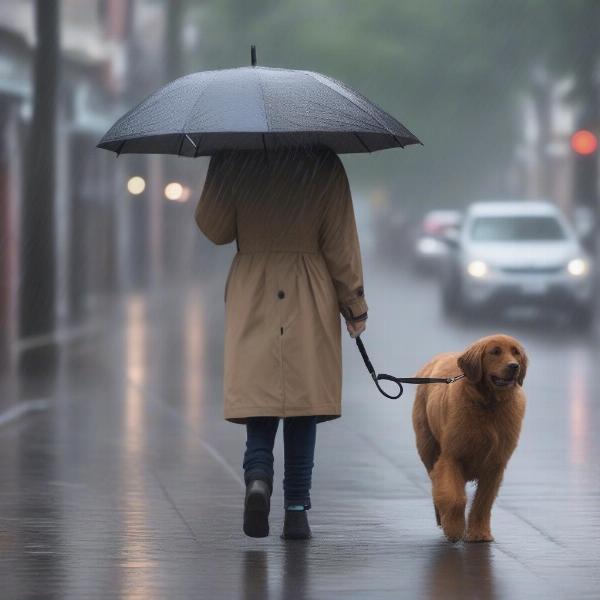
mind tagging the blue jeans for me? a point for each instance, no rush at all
(299, 437)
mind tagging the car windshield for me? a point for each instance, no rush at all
(515, 229)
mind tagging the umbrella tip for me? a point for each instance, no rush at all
(253, 55)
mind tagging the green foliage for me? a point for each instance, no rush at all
(450, 70)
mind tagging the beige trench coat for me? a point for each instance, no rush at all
(298, 266)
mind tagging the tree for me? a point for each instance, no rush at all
(448, 71)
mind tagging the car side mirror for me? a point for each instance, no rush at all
(451, 238)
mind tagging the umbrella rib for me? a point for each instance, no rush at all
(399, 142)
(194, 107)
(262, 94)
(364, 145)
(180, 145)
(120, 148)
(325, 82)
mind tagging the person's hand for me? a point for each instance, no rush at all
(355, 328)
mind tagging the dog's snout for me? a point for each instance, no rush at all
(513, 366)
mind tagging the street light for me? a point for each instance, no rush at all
(136, 185)
(174, 191)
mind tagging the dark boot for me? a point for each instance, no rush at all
(295, 525)
(256, 508)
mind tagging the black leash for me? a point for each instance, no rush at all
(398, 380)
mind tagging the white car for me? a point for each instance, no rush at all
(509, 253)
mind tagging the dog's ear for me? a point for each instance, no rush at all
(471, 362)
(524, 361)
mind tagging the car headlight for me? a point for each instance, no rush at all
(578, 267)
(477, 268)
(428, 246)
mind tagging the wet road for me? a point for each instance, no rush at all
(128, 484)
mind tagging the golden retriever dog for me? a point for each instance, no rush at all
(468, 430)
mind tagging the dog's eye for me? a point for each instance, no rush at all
(496, 351)
(516, 352)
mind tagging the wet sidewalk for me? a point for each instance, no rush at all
(127, 483)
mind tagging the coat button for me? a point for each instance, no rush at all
(281, 294)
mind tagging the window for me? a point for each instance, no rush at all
(515, 229)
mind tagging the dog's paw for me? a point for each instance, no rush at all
(478, 535)
(453, 537)
(454, 529)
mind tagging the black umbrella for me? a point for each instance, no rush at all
(254, 108)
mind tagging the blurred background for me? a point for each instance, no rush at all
(497, 101)
(505, 96)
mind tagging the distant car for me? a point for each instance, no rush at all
(510, 253)
(430, 248)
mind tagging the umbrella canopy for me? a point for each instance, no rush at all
(252, 108)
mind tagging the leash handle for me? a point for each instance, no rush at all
(393, 379)
(398, 380)
(363, 353)
(381, 376)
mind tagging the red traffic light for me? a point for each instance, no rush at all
(584, 142)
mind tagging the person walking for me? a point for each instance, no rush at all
(297, 267)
